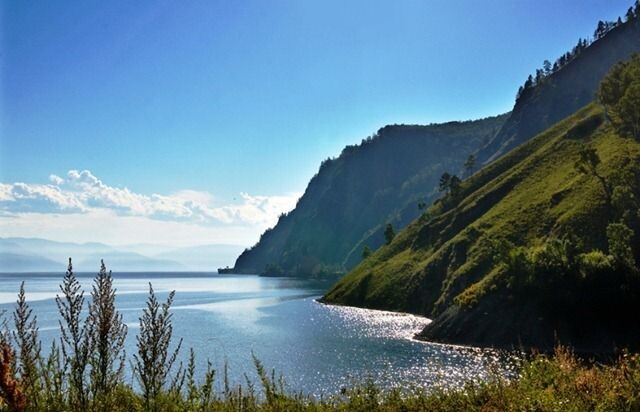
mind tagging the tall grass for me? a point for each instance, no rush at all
(83, 371)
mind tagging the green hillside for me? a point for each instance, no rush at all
(368, 184)
(347, 205)
(515, 257)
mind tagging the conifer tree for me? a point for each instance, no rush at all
(389, 233)
(470, 164)
(443, 185)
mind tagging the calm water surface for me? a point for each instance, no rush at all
(318, 349)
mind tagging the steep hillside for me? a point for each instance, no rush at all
(565, 91)
(467, 262)
(365, 186)
(348, 204)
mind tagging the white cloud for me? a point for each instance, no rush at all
(27, 209)
(106, 226)
(56, 180)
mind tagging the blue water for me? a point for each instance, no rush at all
(318, 349)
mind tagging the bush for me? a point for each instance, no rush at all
(595, 264)
(619, 237)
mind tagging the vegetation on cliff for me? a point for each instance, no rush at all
(540, 245)
(348, 204)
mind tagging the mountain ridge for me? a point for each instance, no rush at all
(559, 95)
(367, 184)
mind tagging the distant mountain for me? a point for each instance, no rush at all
(382, 180)
(14, 262)
(126, 261)
(33, 254)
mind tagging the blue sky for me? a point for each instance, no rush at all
(221, 98)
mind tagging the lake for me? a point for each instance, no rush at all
(318, 349)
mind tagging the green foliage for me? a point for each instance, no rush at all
(588, 161)
(347, 204)
(620, 237)
(620, 94)
(595, 264)
(546, 383)
(525, 231)
(450, 184)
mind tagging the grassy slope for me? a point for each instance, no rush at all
(527, 196)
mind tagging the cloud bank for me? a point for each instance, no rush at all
(28, 209)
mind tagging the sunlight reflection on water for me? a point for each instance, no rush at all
(425, 365)
(317, 348)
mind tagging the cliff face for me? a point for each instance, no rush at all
(379, 181)
(564, 92)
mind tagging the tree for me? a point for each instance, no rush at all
(74, 338)
(455, 186)
(546, 66)
(366, 252)
(470, 164)
(600, 30)
(107, 334)
(443, 186)
(587, 163)
(628, 111)
(619, 237)
(529, 82)
(619, 92)
(389, 233)
(630, 15)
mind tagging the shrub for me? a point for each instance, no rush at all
(619, 237)
(595, 264)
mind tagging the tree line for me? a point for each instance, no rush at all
(602, 29)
